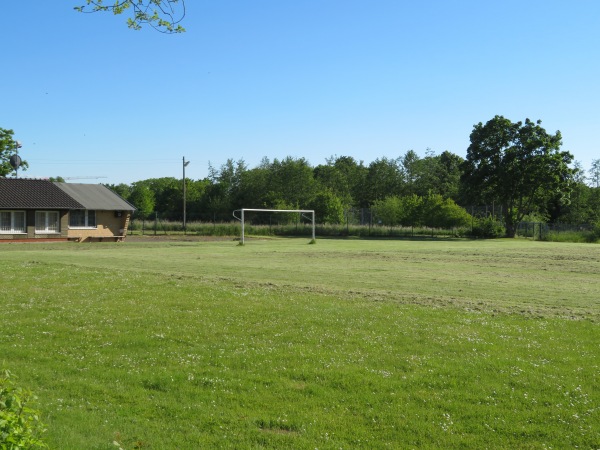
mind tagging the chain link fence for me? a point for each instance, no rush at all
(360, 222)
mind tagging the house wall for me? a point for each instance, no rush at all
(30, 226)
(107, 225)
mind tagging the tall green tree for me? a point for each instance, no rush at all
(515, 165)
(121, 189)
(195, 191)
(343, 176)
(168, 196)
(291, 183)
(8, 147)
(584, 207)
(143, 199)
(223, 194)
(594, 205)
(328, 207)
(411, 213)
(595, 173)
(388, 210)
(433, 174)
(384, 179)
(412, 171)
(355, 174)
(448, 175)
(253, 188)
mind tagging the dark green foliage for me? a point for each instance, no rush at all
(291, 181)
(433, 174)
(432, 211)
(253, 190)
(487, 227)
(595, 173)
(328, 207)
(121, 189)
(512, 168)
(388, 211)
(167, 194)
(517, 166)
(583, 207)
(344, 177)
(143, 199)
(383, 179)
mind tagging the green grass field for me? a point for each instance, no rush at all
(279, 344)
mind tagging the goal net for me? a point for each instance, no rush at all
(241, 217)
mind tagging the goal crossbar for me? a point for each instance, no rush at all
(301, 211)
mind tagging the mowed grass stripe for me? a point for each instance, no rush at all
(542, 278)
(199, 351)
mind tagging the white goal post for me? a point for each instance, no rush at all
(301, 211)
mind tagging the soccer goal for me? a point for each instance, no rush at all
(241, 217)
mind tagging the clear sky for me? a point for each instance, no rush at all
(88, 97)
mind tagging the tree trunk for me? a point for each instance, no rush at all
(509, 222)
(511, 230)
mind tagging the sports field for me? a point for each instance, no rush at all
(281, 344)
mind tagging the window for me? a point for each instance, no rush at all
(12, 222)
(46, 222)
(81, 218)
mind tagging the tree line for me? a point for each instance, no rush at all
(340, 184)
(518, 168)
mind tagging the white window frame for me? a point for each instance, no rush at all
(14, 230)
(87, 226)
(47, 226)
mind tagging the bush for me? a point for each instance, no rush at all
(596, 232)
(20, 426)
(487, 227)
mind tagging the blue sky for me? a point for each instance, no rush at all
(88, 97)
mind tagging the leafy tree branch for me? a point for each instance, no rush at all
(164, 16)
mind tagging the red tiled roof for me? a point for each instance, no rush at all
(24, 193)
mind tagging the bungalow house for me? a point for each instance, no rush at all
(43, 209)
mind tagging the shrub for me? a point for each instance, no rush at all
(487, 227)
(328, 208)
(20, 426)
(596, 232)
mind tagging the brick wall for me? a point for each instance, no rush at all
(107, 225)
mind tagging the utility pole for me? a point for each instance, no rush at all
(185, 163)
